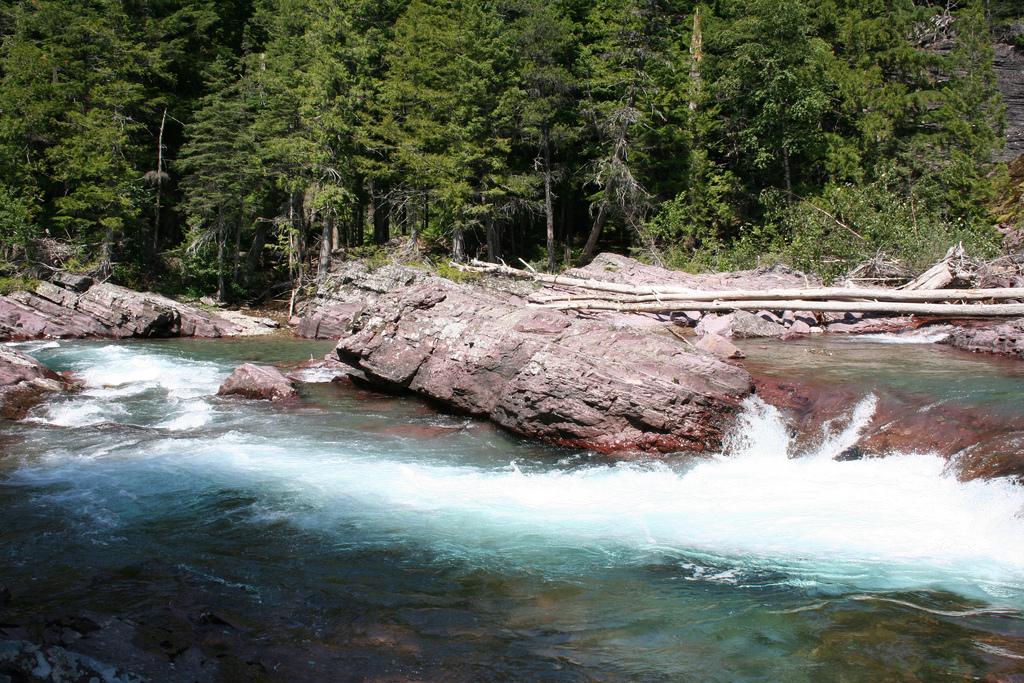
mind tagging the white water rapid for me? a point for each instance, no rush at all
(900, 522)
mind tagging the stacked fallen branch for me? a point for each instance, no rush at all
(948, 310)
(954, 267)
(596, 295)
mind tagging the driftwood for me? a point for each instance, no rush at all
(953, 266)
(944, 310)
(644, 294)
(819, 293)
(922, 296)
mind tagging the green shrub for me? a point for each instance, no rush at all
(9, 285)
(372, 255)
(450, 272)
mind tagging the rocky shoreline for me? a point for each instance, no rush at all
(614, 382)
(75, 306)
(610, 381)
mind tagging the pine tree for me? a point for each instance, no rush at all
(220, 173)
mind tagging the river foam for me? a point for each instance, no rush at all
(760, 507)
(134, 385)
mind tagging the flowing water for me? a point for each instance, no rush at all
(361, 537)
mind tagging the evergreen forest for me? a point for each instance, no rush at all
(239, 146)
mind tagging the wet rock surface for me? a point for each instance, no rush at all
(258, 382)
(24, 382)
(72, 306)
(977, 443)
(1003, 338)
(543, 373)
(22, 660)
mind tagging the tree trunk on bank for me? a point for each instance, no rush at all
(493, 241)
(549, 209)
(323, 266)
(618, 153)
(567, 234)
(221, 289)
(236, 256)
(159, 182)
(459, 244)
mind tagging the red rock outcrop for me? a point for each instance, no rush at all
(24, 382)
(544, 373)
(82, 309)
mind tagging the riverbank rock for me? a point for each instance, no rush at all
(544, 373)
(74, 307)
(24, 382)
(1003, 338)
(349, 287)
(259, 382)
(740, 324)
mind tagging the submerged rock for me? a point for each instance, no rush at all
(544, 373)
(1003, 338)
(978, 443)
(73, 307)
(24, 382)
(25, 661)
(259, 382)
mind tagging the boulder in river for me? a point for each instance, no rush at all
(544, 373)
(24, 382)
(260, 382)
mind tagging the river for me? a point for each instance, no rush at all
(364, 537)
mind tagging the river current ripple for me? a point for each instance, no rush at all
(367, 537)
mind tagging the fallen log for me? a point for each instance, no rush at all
(819, 293)
(637, 294)
(932, 309)
(949, 269)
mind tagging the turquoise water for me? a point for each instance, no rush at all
(360, 537)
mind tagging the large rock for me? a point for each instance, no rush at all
(259, 382)
(977, 442)
(741, 324)
(1006, 338)
(349, 287)
(58, 309)
(24, 382)
(543, 373)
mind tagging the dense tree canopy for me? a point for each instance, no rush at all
(235, 146)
